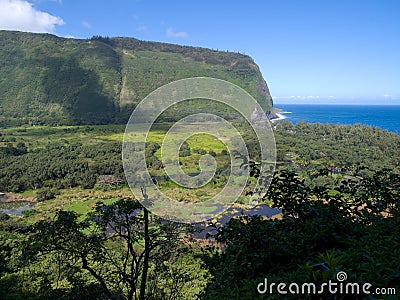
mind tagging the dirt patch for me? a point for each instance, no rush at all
(11, 197)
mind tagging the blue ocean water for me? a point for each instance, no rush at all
(385, 116)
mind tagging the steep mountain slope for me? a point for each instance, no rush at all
(45, 79)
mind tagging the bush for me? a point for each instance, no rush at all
(212, 153)
(44, 194)
(184, 150)
(199, 151)
(28, 213)
(4, 216)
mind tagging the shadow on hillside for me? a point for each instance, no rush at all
(78, 91)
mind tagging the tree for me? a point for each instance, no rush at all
(184, 150)
(121, 246)
(46, 193)
(354, 229)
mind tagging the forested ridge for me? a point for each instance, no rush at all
(45, 79)
(87, 238)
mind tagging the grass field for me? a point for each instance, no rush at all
(82, 200)
(78, 200)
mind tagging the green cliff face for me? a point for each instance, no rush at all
(46, 79)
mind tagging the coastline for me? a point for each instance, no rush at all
(343, 114)
(274, 114)
(279, 117)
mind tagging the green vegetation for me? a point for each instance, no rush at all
(340, 148)
(354, 231)
(340, 210)
(58, 159)
(50, 80)
(86, 238)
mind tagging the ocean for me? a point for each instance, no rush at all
(386, 117)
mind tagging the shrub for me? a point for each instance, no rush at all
(44, 194)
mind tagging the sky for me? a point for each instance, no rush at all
(324, 51)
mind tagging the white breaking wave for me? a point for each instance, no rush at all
(280, 115)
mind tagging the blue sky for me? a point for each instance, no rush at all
(308, 51)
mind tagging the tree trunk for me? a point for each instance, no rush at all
(146, 254)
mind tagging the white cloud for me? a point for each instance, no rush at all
(22, 16)
(57, 1)
(86, 24)
(40, 1)
(301, 97)
(142, 29)
(179, 34)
